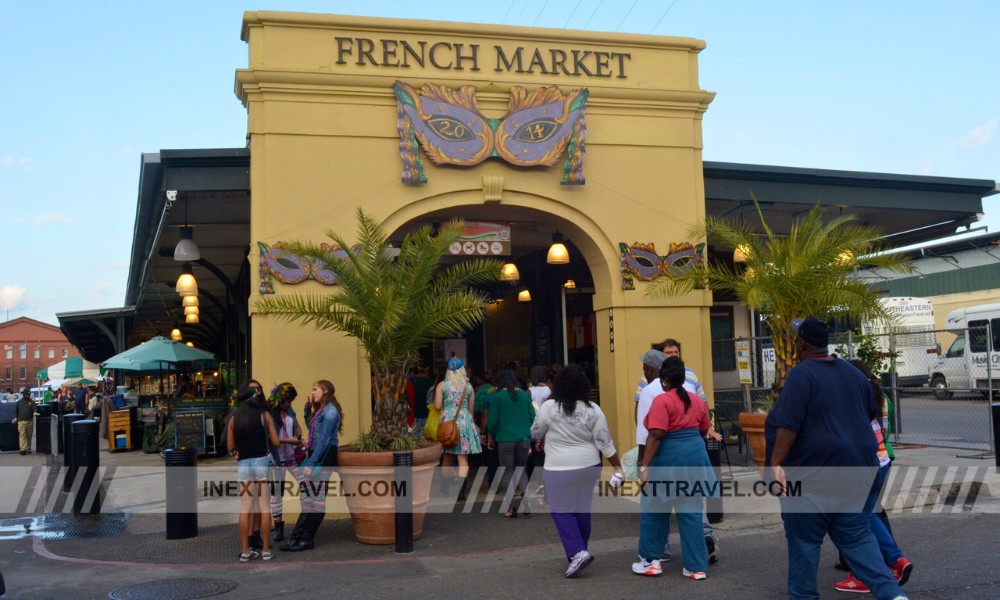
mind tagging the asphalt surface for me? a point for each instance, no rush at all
(476, 554)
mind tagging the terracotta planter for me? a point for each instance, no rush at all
(366, 477)
(752, 425)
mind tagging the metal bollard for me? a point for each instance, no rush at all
(69, 472)
(43, 430)
(86, 462)
(403, 467)
(713, 506)
(182, 489)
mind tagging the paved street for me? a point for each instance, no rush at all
(475, 555)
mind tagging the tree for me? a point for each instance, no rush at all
(393, 305)
(809, 272)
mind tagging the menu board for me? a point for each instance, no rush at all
(189, 430)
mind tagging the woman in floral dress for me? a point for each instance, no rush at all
(455, 398)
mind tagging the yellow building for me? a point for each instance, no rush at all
(323, 137)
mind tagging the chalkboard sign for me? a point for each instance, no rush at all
(189, 430)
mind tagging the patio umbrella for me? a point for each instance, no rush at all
(160, 353)
(73, 366)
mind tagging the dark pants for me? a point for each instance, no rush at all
(513, 457)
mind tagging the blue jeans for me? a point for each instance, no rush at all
(886, 544)
(852, 534)
(681, 455)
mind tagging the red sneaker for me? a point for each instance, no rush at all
(851, 584)
(901, 570)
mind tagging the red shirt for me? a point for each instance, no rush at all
(667, 413)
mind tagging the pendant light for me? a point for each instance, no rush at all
(190, 310)
(186, 284)
(741, 253)
(509, 272)
(187, 301)
(175, 333)
(524, 296)
(191, 319)
(186, 250)
(558, 254)
(570, 284)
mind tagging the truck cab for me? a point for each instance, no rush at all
(972, 361)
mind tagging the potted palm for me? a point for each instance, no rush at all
(394, 304)
(811, 271)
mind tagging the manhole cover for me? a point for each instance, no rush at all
(173, 589)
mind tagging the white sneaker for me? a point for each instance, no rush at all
(649, 568)
(579, 561)
(696, 575)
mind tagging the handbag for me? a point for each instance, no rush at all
(447, 432)
(433, 418)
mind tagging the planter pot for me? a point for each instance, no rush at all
(752, 425)
(367, 478)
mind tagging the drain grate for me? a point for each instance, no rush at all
(63, 526)
(174, 589)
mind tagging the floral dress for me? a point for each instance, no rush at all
(468, 433)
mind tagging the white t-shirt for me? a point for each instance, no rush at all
(650, 392)
(539, 394)
(572, 441)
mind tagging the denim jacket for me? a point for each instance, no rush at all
(327, 435)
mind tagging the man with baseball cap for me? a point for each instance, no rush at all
(823, 419)
(25, 421)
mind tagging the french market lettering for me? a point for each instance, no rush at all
(459, 57)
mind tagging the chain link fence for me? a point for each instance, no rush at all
(941, 383)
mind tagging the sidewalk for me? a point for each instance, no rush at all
(472, 554)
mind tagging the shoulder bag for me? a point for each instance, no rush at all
(447, 431)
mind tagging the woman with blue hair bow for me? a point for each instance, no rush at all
(455, 398)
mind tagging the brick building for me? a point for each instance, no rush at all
(29, 346)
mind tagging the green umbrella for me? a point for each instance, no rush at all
(160, 354)
(73, 366)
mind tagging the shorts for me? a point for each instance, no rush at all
(252, 468)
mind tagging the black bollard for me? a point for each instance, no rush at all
(86, 462)
(995, 413)
(43, 430)
(713, 505)
(182, 489)
(403, 467)
(67, 448)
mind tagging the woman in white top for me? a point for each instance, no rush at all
(576, 435)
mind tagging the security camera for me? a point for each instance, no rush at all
(171, 195)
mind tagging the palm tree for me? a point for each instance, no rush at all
(809, 272)
(393, 305)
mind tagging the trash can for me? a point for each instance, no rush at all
(43, 427)
(86, 461)
(182, 489)
(138, 431)
(69, 472)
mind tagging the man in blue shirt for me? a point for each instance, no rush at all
(823, 419)
(80, 399)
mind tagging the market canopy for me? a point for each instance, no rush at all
(73, 366)
(160, 354)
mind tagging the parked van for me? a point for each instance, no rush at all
(38, 394)
(972, 360)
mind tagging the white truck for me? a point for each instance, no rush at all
(972, 360)
(913, 333)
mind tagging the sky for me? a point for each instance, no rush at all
(893, 86)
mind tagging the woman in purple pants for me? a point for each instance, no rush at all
(576, 435)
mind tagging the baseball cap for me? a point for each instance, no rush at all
(653, 358)
(455, 363)
(812, 331)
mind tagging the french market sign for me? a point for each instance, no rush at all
(446, 56)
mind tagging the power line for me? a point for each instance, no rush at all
(572, 13)
(538, 16)
(509, 8)
(662, 16)
(593, 13)
(619, 28)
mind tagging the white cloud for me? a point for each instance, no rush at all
(23, 163)
(978, 136)
(925, 166)
(16, 221)
(101, 287)
(7, 162)
(48, 218)
(11, 296)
